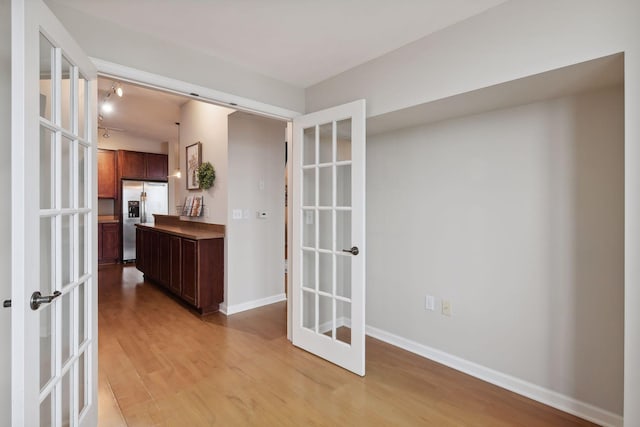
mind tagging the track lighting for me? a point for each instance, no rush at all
(107, 107)
(118, 90)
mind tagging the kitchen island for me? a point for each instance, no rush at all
(185, 258)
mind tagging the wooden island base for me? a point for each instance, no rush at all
(185, 258)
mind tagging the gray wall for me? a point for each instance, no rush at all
(5, 224)
(256, 154)
(517, 217)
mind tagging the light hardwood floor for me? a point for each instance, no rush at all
(161, 365)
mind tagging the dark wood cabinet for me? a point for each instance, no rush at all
(164, 255)
(175, 276)
(190, 268)
(157, 166)
(151, 256)
(140, 243)
(107, 168)
(132, 164)
(137, 165)
(108, 242)
(189, 271)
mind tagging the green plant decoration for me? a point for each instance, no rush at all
(206, 175)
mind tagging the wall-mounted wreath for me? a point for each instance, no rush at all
(206, 175)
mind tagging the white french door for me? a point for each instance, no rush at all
(328, 294)
(54, 300)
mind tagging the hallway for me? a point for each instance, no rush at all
(161, 365)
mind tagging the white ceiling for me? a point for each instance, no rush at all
(301, 42)
(141, 112)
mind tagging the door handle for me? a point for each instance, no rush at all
(353, 251)
(37, 299)
(6, 303)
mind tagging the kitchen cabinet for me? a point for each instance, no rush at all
(107, 167)
(189, 270)
(137, 165)
(175, 260)
(164, 254)
(108, 242)
(157, 166)
(189, 264)
(140, 243)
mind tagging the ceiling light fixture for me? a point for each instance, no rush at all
(107, 107)
(118, 90)
(106, 133)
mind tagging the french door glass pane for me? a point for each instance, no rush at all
(66, 398)
(66, 267)
(82, 318)
(343, 188)
(343, 131)
(343, 276)
(326, 229)
(343, 311)
(309, 228)
(83, 114)
(46, 256)
(82, 374)
(46, 167)
(325, 273)
(325, 309)
(67, 172)
(326, 187)
(46, 412)
(309, 310)
(309, 187)
(326, 143)
(309, 146)
(46, 92)
(309, 269)
(66, 90)
(47, 347)
(82, 244)
(83, 174)
(66, 328)
(343, 230)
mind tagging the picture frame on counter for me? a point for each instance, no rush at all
(194, 160)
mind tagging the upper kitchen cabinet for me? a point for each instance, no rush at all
(157, 166)
(107, 166)
(137, 165)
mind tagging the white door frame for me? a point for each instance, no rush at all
(156, 81)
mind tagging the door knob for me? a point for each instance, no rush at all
(37, 299)
(353, 251)
(6, 303)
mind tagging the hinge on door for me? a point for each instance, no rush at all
(6, 303)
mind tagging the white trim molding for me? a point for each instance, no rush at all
(228, 310)
(202, 93)
(516, 385)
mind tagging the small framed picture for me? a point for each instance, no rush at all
(194, 159)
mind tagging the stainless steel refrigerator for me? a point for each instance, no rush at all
(140, 200)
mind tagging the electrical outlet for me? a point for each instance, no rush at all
(430, 303)
(446, 308)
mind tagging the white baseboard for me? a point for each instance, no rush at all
(249, 305)
(530, 390)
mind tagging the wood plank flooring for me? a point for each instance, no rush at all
(162, 365)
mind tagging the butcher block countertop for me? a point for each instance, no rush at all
(187, 229)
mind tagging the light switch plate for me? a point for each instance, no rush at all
(430, 303)
(236, 214)
(446, 308)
